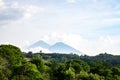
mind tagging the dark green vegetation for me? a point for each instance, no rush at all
(16, 65)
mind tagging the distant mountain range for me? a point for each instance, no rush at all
(58, 47)
(40, 44)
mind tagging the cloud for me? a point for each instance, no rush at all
(14, 11)
(90, 47)
(71, 1)
(2, 4)
(38, 49)
(84, 17)
(86, 14)
(30, 10)
(98, 13)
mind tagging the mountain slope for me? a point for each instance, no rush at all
(61, 47)
(40, 44)
(58, 47)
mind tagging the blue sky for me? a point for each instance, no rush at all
(91, 26)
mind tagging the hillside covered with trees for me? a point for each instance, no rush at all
(17, 65)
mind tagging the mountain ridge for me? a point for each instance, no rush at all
(40, 43)
(63, 48)
(58, 47)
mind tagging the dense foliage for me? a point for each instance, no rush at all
(104, 57)
(16, 65)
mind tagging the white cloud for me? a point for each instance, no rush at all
(98, 13)
(30, 10)
(38, 49)
(87, 46)
(71, 1)
(15, 12)
(2, 4)
(90, 16)
(84, 17)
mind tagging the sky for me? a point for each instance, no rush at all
(91, 26)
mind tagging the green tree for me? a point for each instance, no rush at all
(78, 66)
(85, 76)
(70, 74)
(39, 63)
(56, 70)
(93, 77)
(82, 76)
(10, 56)
(4, 71)
(27, 71)
(97, 67)
(116, 71)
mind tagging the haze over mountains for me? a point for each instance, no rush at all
(40, 44)
(58, 47)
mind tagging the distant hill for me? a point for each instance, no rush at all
(40, 44)
(58, 47)
(61, 47)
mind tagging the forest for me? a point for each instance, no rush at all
(18, 65)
